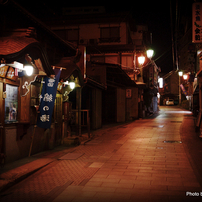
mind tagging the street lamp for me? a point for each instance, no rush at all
(28, 69)
(180, 73)
(72, 85)
(185, 76)
(141, 60)
(150, 53)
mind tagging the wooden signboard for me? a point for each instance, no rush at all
(8, 73)
(11, 74)
(3, 71)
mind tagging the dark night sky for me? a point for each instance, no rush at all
(156, 14)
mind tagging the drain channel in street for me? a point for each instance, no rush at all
(172, 141)
(156, 126)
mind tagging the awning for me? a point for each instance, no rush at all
(117, 76)
(24, 19)
(69, 68)
(141, 85)
(91, 82)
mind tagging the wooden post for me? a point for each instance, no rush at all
(88, 123)
(78, 107)
(30, 149)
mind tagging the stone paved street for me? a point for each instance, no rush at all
(141, 161)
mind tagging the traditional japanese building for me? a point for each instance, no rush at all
(27, 127)
(109, 48)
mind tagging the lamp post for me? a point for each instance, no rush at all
(180, 73)
(141, 60)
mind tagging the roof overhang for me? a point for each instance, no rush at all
(69, 68)
(17, 48)
(116, 76)
(141, 85)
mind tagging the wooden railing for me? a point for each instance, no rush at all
(85, 118)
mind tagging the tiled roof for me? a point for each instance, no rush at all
(14, 48)
(14, 44)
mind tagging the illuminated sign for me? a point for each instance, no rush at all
(8, 72)
(183, 90)
(160, 81)
(11, 74)
(3, 71)
(197, 22)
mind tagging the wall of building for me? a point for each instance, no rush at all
(96, 108)
(132, 105)
(91, 32)
(19, 148)
(109, 103)
(174, 84)
(121, 98)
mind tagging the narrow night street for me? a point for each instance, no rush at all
(145, 160)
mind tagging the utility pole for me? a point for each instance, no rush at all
(174, 35)
(172, 38)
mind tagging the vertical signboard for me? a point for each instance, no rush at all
(183, 90)
(128, 93)
(47, 100)
(197, 22)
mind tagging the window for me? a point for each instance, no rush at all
(111, 59)
(127, 61)
(109, 34)
(72, 35)
(68, 34)
(11, 104)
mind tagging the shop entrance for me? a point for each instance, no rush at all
(58, 119)
(1, 119)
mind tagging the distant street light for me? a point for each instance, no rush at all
(185, 76)
(150, 53)
(180, 73)
(141, 60)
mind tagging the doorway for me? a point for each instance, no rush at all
(58, 118)
(1, 119)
